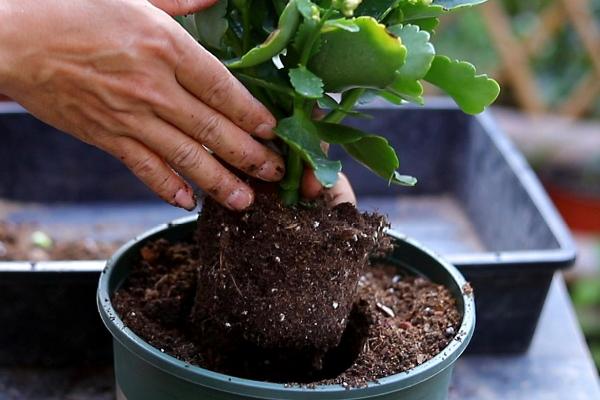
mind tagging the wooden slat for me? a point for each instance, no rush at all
(579, 101)
(514, 58)
(582, 98)
(550, 22)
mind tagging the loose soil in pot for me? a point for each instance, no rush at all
(402, 319)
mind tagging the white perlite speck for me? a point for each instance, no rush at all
(281, 317)
(335, 305)
(386, 310)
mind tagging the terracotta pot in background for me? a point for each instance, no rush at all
(581, 211)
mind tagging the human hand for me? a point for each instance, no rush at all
(342, 192)
(122, 75)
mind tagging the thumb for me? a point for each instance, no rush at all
(182, 7)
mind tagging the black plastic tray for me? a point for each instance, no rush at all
(477, 203)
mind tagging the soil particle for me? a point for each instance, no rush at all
(156, 302)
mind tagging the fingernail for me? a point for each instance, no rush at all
(239, 199)
(184, 198)
(265, 129)
(270, 171)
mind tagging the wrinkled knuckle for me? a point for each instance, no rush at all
(186, 156)
(144, 167)
(159, 42)
(219, 92)
(208, 130)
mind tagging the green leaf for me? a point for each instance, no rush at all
(374, 152)
(427, 24)
(339, 134)
(211, 25)
(473, 93)
(301, 134)
(308, 9)
(407, 89)
(189, 24)
(306, 83)
(377, 9)
(275, 43)
(420, 51)
(420, 54)
(342, 23)
(404, 180)
(368, 58)
(453, 4)
(420, 10)
(305, 31)
(328, 102)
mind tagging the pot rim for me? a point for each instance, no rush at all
(246, 387)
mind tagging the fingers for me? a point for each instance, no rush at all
(204, 76)
(219, 134)
(342, 192)
(192, 160)
(310, 187)
(154, 172)
(182, 7)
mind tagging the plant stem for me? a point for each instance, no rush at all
(348, 102)
(290, 185)
(246, 38)
(306, 52)
(265, 84)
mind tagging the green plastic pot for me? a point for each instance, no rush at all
(145, 373)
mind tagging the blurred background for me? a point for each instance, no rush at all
(546, 55)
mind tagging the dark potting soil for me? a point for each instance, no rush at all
(267, 273)
(396, 321)
(17, 244)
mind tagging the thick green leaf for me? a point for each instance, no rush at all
(189, 24)
(308, 9)
(377, 9)
(374, 152)
(473, 93)
(328, 102)
(275, 43)
(427, 24)
(306, 83)
(368, 58)
(339, 134)
(420, 51)
(404, 180)
(301, 134)
(211, 25)
(305, 31)
(420, 54)
(452, 4)
(406, 89)
(343, 23)
(419, 10)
